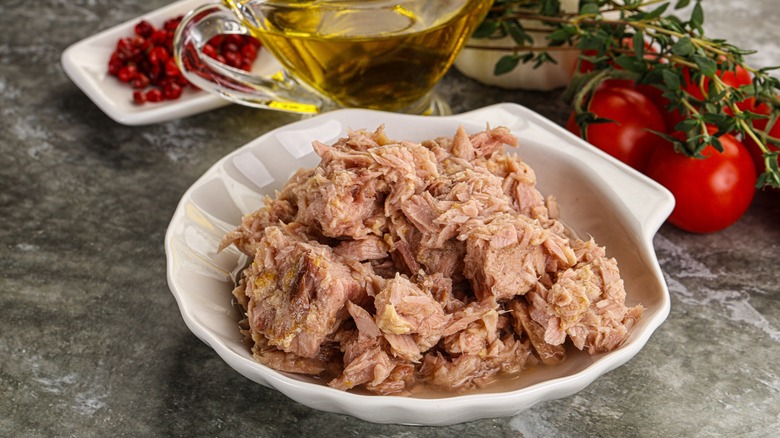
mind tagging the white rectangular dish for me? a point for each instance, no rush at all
(86, 63)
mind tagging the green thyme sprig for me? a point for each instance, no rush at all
(614, 37)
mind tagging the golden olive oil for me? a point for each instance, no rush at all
(369, 54)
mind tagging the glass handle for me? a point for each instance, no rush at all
(280, 92)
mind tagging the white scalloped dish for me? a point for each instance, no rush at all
(86, 63)
(598, 196)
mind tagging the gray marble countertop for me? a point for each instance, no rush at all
(92, 342)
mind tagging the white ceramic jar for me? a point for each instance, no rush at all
(479, 64)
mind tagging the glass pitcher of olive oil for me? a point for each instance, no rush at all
(377, 54)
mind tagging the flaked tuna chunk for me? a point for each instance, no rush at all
(421, 212)
(502, 272)
(369, 248)
(492, 139)
(297, 291)
(353, 343)
(239, 292)
(507, 256)
(401, 379)
(447, 260)
(548, 354)
(363, 320)
(351, 151)
(480, 144)
(586, 303)
(366, 358)
(340, 157)
(325, 362)
(441, 289)
(477, 184)
(458, 373)
(362, 140)
(475, 336)
(444, 255)
(398, 164)
(479, 344)
(372, 367)
(378, 372)
(469, 313)
(466, 371)
(404, 347)
(411, 314)
(340, 202)
(470, 196)
(404, 237)
(425, 164)
(349, 191)
(519, 184)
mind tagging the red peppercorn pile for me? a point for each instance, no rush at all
(145, 60)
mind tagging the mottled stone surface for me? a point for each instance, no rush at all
(92, 343)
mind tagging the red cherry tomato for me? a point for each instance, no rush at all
(628, 137)
(712, 193)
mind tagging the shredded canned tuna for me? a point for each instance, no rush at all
(399, 266)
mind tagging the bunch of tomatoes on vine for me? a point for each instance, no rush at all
(652, 91)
